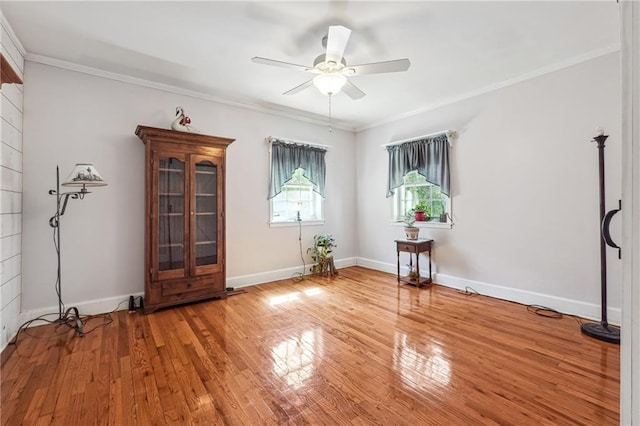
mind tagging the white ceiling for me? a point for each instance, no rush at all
(456, 48)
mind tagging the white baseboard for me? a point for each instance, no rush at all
(89, 307)
(379, 266)
(568, 306)
(280, 274)
(526, 297)
(100, 306)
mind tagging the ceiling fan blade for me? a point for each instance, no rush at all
(379, 67)
(337, 40)
(299, 88)
(274, 63)
(352, 91)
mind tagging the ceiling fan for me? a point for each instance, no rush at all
(331, 68)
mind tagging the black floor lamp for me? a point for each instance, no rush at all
(601, 330)
(83, 175)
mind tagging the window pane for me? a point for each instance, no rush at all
(297, 195)
(170, 214)
(417, 192)
(206, 216)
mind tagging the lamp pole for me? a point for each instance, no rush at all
(601, 330)
(71, 314)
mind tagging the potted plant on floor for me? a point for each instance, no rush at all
(322, 254)
(412, 273)
(409, 230)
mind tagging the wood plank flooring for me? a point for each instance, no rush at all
(350, 350)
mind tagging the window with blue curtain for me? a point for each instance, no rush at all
(428, 156)
(297, 182)
(419, 179)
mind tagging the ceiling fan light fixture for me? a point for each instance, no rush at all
(331, 68)
(329, 84)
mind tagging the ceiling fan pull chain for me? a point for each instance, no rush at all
(330, 122)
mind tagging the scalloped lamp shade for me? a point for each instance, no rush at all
(84, 174)
(329, 84)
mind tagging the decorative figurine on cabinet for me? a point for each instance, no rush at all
(182, 123)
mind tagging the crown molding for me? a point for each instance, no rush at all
(497, 86)
(236, 102)
(314, 118)
(14, 38)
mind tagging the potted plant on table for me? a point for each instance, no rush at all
(409, 230)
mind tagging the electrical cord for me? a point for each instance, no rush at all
(299, 276)
(544, 311)
(539, 310)
(547, 312)
(84, 320)
(56, 244)
(54, 222)
(468, 291)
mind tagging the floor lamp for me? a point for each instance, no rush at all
(601, 330)
(83, 175)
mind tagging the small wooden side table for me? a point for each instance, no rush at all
(414, 247)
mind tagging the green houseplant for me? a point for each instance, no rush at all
(322, 249)
(421, 211)
(409, 230)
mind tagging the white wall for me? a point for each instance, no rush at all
(524, 187)
(11, 98)
(75, 117)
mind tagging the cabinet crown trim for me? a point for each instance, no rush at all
(7, 73)
(147, 133)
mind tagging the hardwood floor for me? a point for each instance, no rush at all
(354, 349)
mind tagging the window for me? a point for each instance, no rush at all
(296, 182)
(297, 194)
(419, 179)
(417, 194)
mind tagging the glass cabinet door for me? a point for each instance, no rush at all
(171, 208)
(206, 213)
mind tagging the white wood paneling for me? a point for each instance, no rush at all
(10, 291)
(10, 135)
(10, 246)
(11, 114)
(10, 268)
(9, 320)
(10, 157)
(10, 224)
(11, 107)
(11, 53)
(10, 202)
(10, 180)
(13, 93)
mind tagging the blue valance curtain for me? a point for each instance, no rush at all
(429, 156)
(287, 157)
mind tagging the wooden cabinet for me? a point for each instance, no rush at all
(184, 217)
(7, 74)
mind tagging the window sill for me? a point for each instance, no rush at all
(433, 225)
(296, 223)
